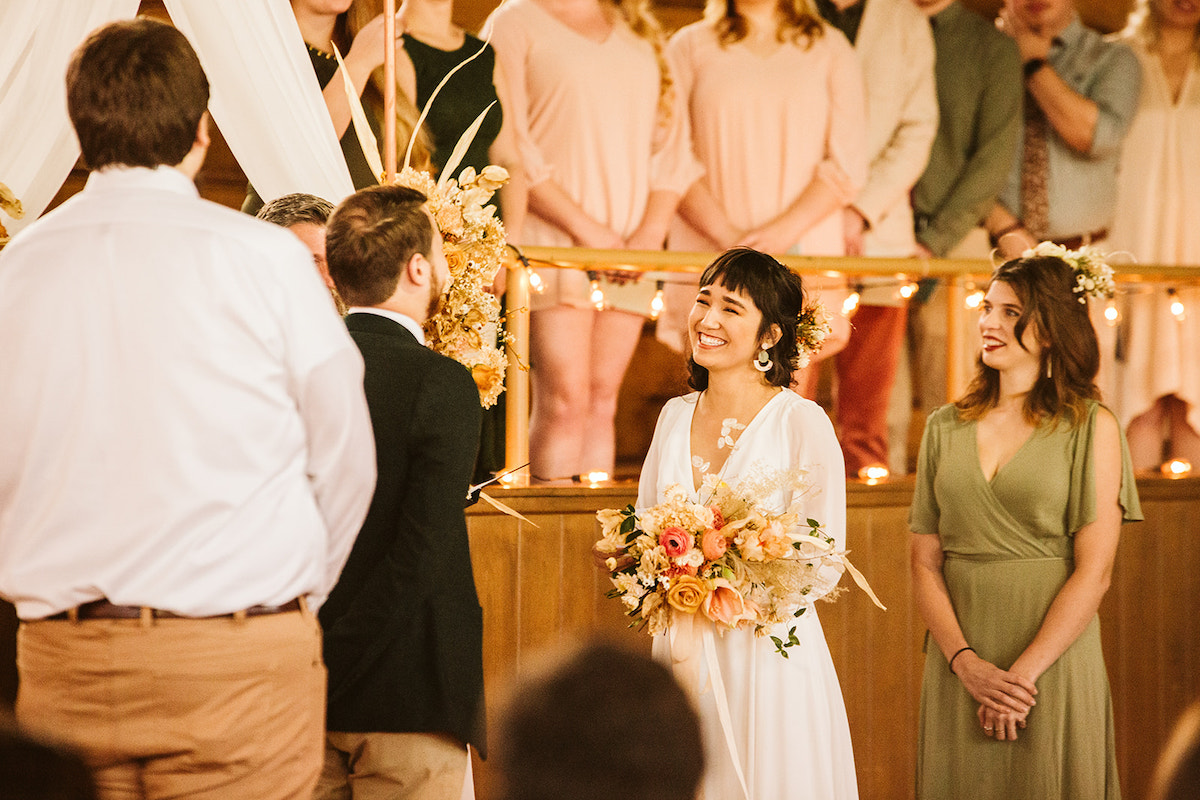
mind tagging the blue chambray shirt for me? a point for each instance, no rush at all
(1082, 187)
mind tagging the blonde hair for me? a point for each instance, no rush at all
(798, 19)
(642, 22)
(359, 14)
(1144, 24)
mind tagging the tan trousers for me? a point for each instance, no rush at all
(181, 708)
(394, 766)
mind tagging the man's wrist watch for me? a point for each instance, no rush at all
(1031, 67)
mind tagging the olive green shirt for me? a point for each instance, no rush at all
(980, 92)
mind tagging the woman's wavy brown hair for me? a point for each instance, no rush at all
(798, 19)
(1045, 285)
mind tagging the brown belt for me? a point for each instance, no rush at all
(1076, 242)
(102, 609)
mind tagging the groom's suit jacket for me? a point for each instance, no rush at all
(403, 627)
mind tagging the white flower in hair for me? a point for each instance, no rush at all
(1093, 275)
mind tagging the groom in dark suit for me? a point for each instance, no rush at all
(403, 626)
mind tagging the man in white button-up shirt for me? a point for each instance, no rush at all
(186, 453)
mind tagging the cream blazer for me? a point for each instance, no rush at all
(895, 48)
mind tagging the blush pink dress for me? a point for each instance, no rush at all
(765, 126)
(587, 115)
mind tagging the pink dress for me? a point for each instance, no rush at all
(587, 115)
(1158, 205)
(765, 126)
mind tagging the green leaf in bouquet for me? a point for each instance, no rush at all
(800, 611)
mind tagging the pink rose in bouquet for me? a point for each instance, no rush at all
(675, 541)
(714, 544)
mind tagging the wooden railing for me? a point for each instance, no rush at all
(960, 276)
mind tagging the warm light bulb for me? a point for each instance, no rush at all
(597, 296)
(1177, 468)
(1111, 315)
(850, 304)
(974, 300)
(908, 290)
(1178, 310)
(656, 305)
(511, 478)
(536, 283)
(873, 473)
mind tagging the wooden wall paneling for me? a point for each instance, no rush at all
(1148, 618)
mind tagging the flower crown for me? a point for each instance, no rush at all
(1093, 275)
(812, 328)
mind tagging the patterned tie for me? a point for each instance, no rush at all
(1035, 202)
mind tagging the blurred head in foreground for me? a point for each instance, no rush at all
(600, 722)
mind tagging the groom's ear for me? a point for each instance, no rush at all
(418, 270)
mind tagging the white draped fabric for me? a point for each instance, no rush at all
(37, 145)
(265, 97)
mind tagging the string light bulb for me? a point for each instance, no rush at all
(536, 283)
(1177, 307)
(974, 299)
(657, 304)
(851, 304)
(1111, 314)
(597, 295)
(907, 290)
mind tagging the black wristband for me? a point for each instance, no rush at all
(956, 655)
(1030, 67)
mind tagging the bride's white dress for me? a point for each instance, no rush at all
(788, 721)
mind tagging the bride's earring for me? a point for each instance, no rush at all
(762, 362)
(1049, 372)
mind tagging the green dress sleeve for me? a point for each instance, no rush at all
(1081, 505)
(924, 515)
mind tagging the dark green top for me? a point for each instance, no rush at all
(463, 98)
(325, 66)
(980, 92)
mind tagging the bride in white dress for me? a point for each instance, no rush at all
(785, 733)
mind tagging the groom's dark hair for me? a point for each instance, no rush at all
(370, 238)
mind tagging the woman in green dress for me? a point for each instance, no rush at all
(1022, 486)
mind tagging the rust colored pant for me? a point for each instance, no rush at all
(866, 370)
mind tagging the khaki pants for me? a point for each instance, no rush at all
(181, 708)
(394, 766)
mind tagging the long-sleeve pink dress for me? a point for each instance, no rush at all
(587, 115)
(765, 126)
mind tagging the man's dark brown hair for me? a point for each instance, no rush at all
(135, 95)
(371, 237)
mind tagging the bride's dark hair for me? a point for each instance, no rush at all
(776, 291)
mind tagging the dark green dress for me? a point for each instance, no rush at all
(462, 99)
(1008, 544)
(325, 67)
